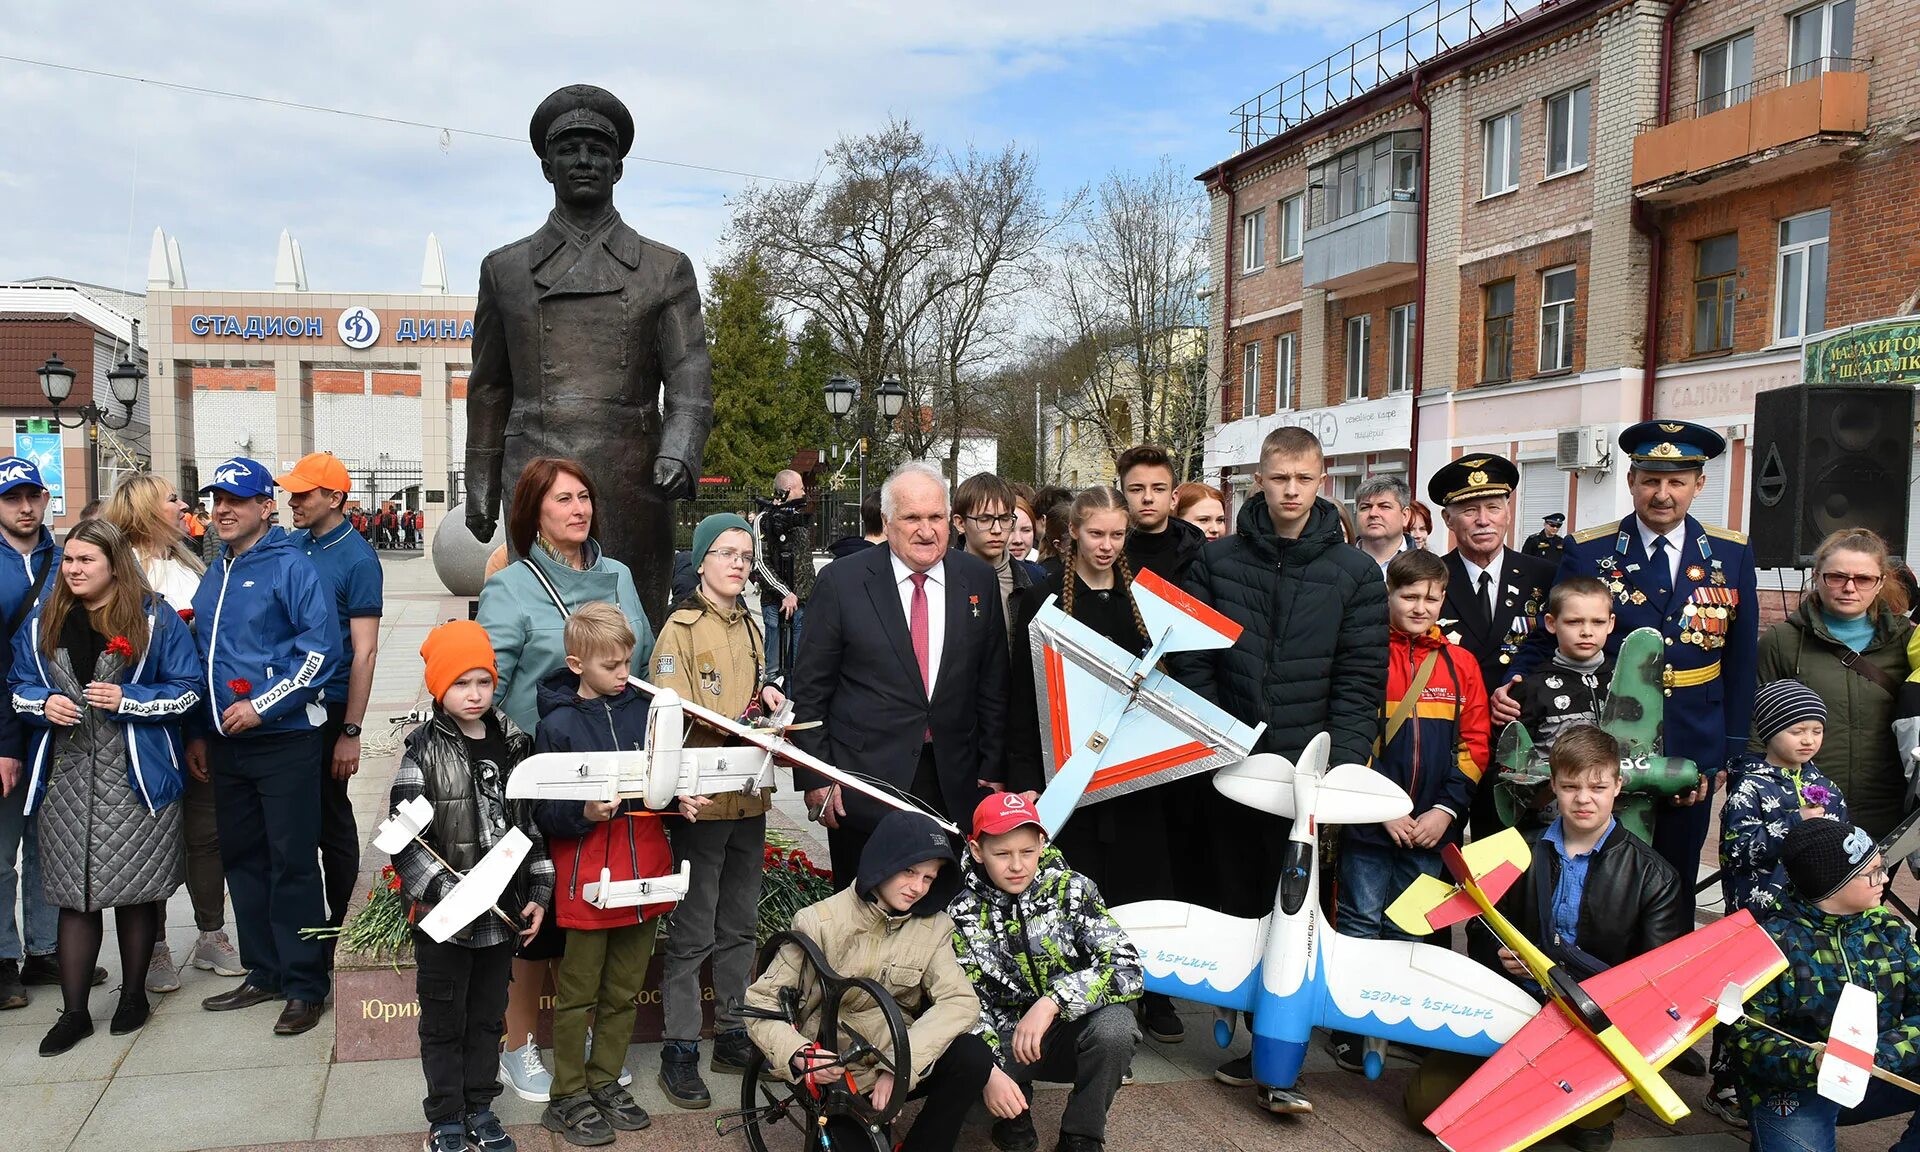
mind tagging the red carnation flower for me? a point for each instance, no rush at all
(240, 686)
(120, 646)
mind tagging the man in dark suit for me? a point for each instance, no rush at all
(579, 333)
(904, 659)
(1494, 594)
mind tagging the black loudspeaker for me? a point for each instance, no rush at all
(1826, 458)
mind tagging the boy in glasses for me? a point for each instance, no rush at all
(711, 652)
(1834, 932)
(983, 524)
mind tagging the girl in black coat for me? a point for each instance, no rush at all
(1121, 844)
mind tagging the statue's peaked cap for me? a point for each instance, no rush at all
(581, 106)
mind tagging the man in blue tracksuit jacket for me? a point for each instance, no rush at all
(267, 636)
(28, 566)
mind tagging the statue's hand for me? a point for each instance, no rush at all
(670, 476)
(481, 524)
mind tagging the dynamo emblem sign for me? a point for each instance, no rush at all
(358, 327)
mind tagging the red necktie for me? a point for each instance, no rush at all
(917, 628)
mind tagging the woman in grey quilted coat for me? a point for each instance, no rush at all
(104, 672)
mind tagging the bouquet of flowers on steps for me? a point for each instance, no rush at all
(789, 881)
(382, 928)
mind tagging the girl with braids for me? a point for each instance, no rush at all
(1120, 844)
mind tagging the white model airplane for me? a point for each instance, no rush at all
(1851, 1040)
(477, 890)
(1112, 723)
(666, 769)
(1291, 974)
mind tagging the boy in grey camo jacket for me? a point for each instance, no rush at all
(1055, 974)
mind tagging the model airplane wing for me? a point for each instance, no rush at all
(475, 895)
(1553, 1072)
(1418, 994)
(1110, 723)
(1348, 794)
(1196, 953)
(1848, 1067)
(1636, 698)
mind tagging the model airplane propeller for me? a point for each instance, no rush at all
(1610, 1033)
(1287, 971)
(1112, 723)
(667, 769)
(477, 890)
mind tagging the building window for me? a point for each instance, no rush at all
(1500, 154)
(1250, 379)
(1714, 263)
(1385, 168)
(1283, 369)
(1820, 39)
(1726, 74)
(1568, 115)
(1801, 304)
(1400, 348)
(1496, 332)
(1253, 241)
(1359, 344)
(1556, 319)
(1292, 211)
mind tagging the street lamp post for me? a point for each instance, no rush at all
(56, 384)
(843, 396)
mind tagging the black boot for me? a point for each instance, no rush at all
(70, 1029)
(131, 1015)
(732, 1051)
(680, 1075)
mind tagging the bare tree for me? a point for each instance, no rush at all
(1128, 331)
(861, 247)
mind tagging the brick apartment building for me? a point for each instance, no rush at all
(1466, 232)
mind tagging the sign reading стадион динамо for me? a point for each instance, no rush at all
(1880, 352)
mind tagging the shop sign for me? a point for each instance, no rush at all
(356, 327)
(1883, 352)
(1354, 427)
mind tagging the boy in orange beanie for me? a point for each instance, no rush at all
(460, 760)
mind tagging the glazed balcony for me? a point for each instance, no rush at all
(1784, 125)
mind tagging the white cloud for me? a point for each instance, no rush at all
(761, 87)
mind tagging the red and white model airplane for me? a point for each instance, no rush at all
(1600, 1036)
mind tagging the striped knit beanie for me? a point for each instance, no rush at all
(1782, 704)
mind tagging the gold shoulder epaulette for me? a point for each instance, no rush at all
(1586, 535)
(1725, 534)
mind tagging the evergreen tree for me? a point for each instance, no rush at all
(761, 412)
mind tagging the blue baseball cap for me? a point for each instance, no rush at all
(239, 476)
(18, 470)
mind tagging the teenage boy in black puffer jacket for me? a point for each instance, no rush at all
(1311, 658)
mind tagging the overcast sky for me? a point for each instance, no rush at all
(89, 165)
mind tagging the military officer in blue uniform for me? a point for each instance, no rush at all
(1695, 585)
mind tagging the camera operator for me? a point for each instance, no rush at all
(783, 568)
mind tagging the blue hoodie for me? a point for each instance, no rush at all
(569, 723)
(157, 695)
(16, 579)
(262, 617)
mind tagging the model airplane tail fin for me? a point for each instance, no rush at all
(1848, 1068)
(1356, 794)
(1430, 904)
(1194, 626)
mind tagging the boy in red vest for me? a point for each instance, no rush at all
(588, 706)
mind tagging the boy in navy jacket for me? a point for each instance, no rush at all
(588, 706)
(266, 635)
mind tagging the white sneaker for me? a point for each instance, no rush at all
(525, 1074)
(213, 952)
(626, 1074)
(162, 976)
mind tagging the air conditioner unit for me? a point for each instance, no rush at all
(1578, 449)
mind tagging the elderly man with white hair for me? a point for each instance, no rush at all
(905, 660)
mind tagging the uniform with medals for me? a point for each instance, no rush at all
(1490, 625)
(1703, 607)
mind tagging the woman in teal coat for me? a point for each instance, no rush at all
(524, 608)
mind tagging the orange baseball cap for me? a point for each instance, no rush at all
(317, 470)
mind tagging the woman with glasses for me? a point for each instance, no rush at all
(713, 652)
(1847, 641)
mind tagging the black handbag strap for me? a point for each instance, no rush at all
(553, 593)
(33, 595)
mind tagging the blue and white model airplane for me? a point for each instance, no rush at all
(1288, 972)
(1112, 723)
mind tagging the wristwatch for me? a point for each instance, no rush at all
(352, 730)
